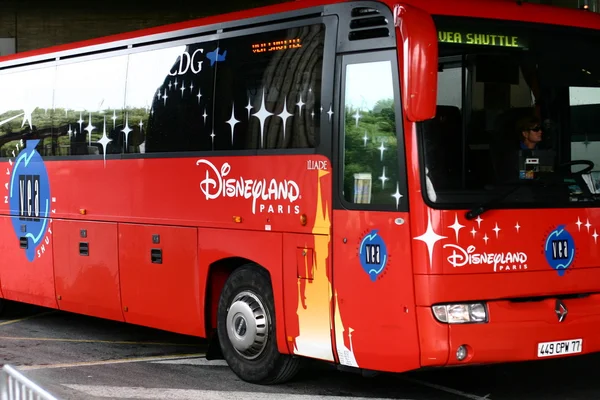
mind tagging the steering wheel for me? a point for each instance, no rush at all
(590, 166)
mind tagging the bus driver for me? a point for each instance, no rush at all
(531, 132)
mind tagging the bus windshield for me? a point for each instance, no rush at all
(518, 116)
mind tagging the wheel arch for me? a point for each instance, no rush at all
(218, 272)
(223, 251)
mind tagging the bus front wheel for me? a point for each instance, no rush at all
(246, 329)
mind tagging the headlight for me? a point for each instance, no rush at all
(460, 313)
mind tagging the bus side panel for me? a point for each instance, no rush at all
(375, 315)
(307, 288)
(160, 284)
(86, 268)
(262, 248)
(28, 280)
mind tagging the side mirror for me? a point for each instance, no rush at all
(418, 56)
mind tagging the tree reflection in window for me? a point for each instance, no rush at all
(371, 173)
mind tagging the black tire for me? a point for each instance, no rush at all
(260, 362)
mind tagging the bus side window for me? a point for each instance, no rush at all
(268, 89)
(372, 170)
(86, 95)
(26, 109)
(169, 100)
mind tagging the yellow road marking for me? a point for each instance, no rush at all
(44, 339)
(12, 321)
(108, 362)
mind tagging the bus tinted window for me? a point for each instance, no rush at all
(170, 99)
(88, 103)
(268, 89)
(371, 166)
(26, 110)
(267, 95)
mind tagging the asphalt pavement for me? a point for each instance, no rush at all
(78, 357)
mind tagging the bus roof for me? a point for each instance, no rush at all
(493, 9)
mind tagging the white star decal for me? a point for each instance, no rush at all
(232, 121)
(517, 226)
(284, 115)
(578, 223)
(182, 88)
(204, 115)
(80, 122)
(430, 238)
(300, 104)
(126, 130)
(357, 117)
(365, 138)
(473, 232)
(249, 107)
(595, 236)
(170, 85)
(486, 238)
(114, 118)
(191, 87)
(176, 83)
(312, 114)
(27, 116)
(496, 229)
(212, 137)
(141, 125)
(587, 224)
(104, 141)
(330, 112)
(262, 114)
(165, 98)
(70, 131)
(383, 178)
(397, 195)
(382, 148)
(199, 95)
(89, 128)
(158, 94)
(456, 226)
(478, 219)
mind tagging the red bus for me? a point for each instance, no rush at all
(382, 186)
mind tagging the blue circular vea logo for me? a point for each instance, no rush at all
(373, 254)
(559, 249)
(29, 197)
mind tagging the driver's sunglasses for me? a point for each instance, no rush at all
(536, 128)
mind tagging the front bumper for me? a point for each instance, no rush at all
(513, 332)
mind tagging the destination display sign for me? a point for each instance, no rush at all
(482, 39)
(479, 32)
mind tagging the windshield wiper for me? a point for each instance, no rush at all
(489, 205)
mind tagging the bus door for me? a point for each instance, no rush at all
(373, 300)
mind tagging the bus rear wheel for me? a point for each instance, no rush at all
(246, 329)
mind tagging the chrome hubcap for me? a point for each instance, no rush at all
(247, 325)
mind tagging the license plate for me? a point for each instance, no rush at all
(558, 348)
